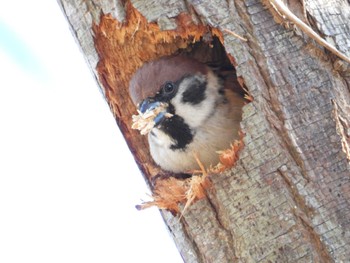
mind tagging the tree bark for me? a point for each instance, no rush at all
(287, 197)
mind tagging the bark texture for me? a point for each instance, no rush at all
(287, 199)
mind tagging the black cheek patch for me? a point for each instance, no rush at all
(177, 129)
(195, 94)
(171, 109)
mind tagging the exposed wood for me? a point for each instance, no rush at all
(287, 198)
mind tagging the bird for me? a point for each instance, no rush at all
(200, 114)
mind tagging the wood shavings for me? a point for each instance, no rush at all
(247, 95)
(170, 193)
(144, 122)
(197, 186)
(228, 157)
(167, 194)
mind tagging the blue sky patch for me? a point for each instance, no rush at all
(17, 49)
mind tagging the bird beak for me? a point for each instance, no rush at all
(149, 104)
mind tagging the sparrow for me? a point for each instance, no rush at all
(198, 113)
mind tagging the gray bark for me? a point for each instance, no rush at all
(287, 199)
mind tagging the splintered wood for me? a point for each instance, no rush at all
(124, 47)
(171, 193)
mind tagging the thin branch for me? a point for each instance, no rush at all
(235, 34)
(282, 8)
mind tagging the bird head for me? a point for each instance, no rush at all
(185, 108)
(188, 88)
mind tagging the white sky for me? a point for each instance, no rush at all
(68, 183)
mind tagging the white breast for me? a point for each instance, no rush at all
(216, 133)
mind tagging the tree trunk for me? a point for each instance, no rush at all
(287, 197)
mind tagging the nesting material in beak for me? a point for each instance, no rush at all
(150, 117)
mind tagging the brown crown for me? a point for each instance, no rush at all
(148, 79)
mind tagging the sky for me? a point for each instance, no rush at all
(68, 183)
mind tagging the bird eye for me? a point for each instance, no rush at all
(168, 88)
